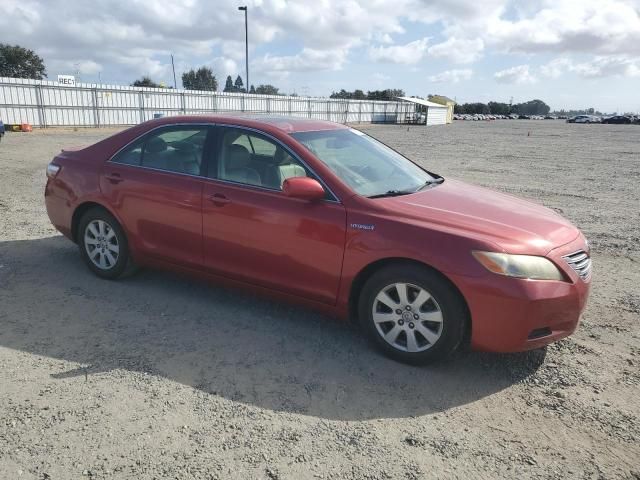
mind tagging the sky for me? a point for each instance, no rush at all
(569, 53)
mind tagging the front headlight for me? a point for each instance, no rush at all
(519, 266)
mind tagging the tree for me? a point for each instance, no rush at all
(388, 94)
(267, 90)
(358, 95)
(145, 82)
(228, 85)
(498, 108)
(341, 94)
(532, 107)
(472, 108)
(202, 79)
(252, 89)
(19, 62)
(238, 85)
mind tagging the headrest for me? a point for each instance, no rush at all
(281, 157)
(237, 157)
(184, 146)
(155, 145)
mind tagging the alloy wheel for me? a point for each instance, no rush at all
(407, 317)
(101, 244)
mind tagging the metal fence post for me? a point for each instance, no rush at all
(96, 111)
(215, 102)
(40, 107)
(183, 104)
(359, 112)
(141, 105)
(309, 107)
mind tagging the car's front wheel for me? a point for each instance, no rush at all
(103, 244)
(412, 313)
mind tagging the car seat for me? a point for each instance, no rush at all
(285, 167)
(236, 166)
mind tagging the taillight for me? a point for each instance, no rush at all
(52, 170)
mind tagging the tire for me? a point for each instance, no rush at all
(427, 327)
(100, 232)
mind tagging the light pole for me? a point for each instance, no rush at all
(246, 44)
(173, 67)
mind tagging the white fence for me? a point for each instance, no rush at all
(45, 103)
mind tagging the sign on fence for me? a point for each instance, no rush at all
(67, 80)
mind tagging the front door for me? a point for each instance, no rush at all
(255, 233)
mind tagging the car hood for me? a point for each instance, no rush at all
(513, 224)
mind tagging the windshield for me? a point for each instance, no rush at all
(366, 165)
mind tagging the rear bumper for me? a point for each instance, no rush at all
(511, 315)
(59, 211)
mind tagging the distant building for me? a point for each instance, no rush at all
(442, 100)
(429, 113)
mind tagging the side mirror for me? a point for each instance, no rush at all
(303, 187)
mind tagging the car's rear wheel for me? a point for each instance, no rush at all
(103, 244)
(412, 313)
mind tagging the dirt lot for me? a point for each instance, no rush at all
(159, 376)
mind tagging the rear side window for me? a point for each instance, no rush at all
(174, 149)
(132, 155)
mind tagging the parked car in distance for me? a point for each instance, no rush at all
(585, 119)
(323, 214)
(617, 119)
(2, 130)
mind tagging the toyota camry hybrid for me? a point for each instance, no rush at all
(324, 215)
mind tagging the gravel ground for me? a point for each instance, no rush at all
(159, 376)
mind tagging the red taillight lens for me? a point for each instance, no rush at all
(52, 170)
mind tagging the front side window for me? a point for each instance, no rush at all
(175, 149)
(252, 159)
(369, 167)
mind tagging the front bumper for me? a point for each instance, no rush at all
(511, 315)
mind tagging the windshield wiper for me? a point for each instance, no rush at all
(428, 183)
(391, 193)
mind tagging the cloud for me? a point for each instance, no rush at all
(223, 66)
(458, 50)
(570, 26)
(597, 67)
(408, 54)
(519, 75)
(556, 68)
(308, 60)
(124, 39)
(452, 76)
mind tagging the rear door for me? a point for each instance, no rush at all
(155, 186)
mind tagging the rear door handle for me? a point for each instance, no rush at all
(113, 177)
(218, 199)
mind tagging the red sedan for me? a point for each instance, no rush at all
(325, 215)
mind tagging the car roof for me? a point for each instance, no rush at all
(287, 124)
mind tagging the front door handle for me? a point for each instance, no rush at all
(114, 177)
(218, 199)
